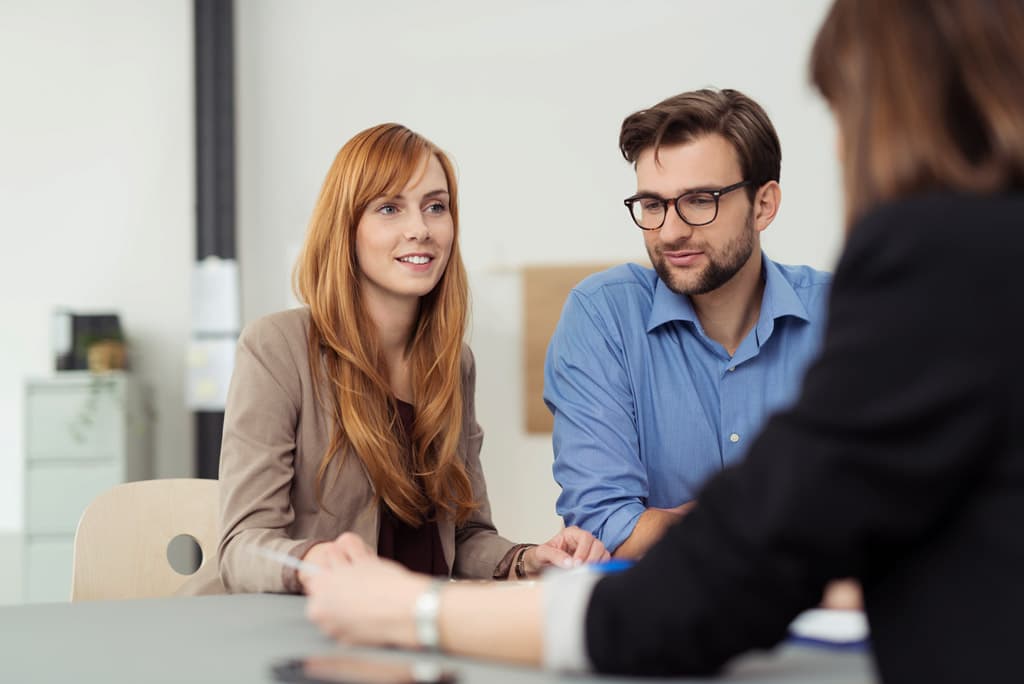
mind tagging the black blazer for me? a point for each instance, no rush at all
(901, 464)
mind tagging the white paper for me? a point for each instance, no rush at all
(831, 626)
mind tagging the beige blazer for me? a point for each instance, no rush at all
(275, 434)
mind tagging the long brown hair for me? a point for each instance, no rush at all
(346, 361)
(928, 94)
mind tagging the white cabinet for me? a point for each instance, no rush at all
(84, 433)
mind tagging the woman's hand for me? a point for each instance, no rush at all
(365, 600)
(569, 548)
(843, 595)
(344, 550)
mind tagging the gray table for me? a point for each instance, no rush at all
(237, 638)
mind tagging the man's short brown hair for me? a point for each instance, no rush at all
(729, 113)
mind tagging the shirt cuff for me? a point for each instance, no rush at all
(566, 597)
(620, 525)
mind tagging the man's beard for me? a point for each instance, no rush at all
(721, 267)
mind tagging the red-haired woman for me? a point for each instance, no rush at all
(355, 414)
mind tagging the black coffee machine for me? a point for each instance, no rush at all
(74, 333)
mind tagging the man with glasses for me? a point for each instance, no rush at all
(659, 378)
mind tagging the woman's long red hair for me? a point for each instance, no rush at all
(346, 361)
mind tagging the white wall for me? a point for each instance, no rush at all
(96, 199)
(528, 98)
(96, 165)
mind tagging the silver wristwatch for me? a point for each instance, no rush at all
(428, 605)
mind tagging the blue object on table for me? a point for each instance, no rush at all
(613, 565)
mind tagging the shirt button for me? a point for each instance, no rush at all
(734, 438)
(732, 368)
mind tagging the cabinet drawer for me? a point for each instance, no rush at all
(48, 569)
(79, 421)
(56, 496)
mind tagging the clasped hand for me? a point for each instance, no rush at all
(364, 599)
(571, 547)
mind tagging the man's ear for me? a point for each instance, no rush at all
(766, 204)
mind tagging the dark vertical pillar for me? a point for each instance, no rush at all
(215, 174)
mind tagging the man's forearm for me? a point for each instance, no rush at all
(649, 528)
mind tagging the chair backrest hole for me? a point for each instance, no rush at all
(184, 554)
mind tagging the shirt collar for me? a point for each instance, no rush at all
(669, 306)
(779, 300)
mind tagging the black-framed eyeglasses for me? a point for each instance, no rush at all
(697, 208)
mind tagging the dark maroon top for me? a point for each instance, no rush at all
(417, 548)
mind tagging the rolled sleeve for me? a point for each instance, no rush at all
(620, 524)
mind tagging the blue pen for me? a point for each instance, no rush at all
(613, 565)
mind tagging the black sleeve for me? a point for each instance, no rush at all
(894, 420)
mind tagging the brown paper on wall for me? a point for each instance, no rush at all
(545, 289)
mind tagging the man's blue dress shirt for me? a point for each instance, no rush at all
(647, 406)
